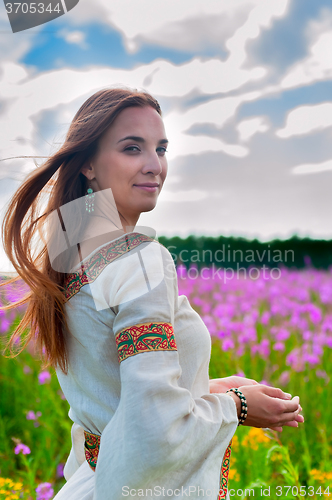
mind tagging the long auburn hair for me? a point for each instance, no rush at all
(60, 175)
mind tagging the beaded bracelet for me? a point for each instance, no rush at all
(244, 406)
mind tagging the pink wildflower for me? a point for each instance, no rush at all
(44, 377)
(328, 342)
(279, 346)
(31, 415)
(307, 335)
(59, 470)
(44, 491)
(5, 325)
(240, 351)
(265, 382)
(22, 448)
(284, 377)
(312, 359)
(265, 318)
(227, 344)
(323, 374)
(282, 334)
(315, 313)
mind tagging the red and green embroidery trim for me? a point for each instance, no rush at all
(92, 267)
(145, 337)
(224, 472)
(91, 448)
(92, 445)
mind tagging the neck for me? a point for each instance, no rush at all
(128, 223)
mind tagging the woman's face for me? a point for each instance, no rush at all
(131, 161)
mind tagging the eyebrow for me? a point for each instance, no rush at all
(140, 139)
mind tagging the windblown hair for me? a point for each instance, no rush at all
(60, 175)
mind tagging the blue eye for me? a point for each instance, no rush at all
(162, 150)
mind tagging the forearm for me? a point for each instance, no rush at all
(218, 385)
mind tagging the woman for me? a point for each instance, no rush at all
(131, 356)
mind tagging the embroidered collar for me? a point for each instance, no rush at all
(92, 266)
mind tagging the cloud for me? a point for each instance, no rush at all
(172, 26)
(252, 191)
(169, 27)
(312, 168)
(260, 17)
(306, 119)
(209, 77)
(258, 195)
(14, 46)
(318, 64)
(216, 112)
(248, 128)
(29, 97)
(189, 26)
(76, 37)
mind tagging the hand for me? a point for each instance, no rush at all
(269, 407)
(219, 385)
(298, 418)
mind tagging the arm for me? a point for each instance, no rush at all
(159, 428)
(223, 384)
(287, 412)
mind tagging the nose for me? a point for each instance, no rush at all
(152, 164)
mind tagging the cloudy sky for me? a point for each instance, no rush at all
(246, 92)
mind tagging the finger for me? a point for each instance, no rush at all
(279, 429)
(275, 392)
(289, 417)
(291, 406)
(291, 424)
(299, 418)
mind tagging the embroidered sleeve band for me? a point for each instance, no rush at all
(145, 337)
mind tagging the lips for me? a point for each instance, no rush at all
(148, 184)
(150, 187)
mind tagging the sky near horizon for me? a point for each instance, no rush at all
(246, 92)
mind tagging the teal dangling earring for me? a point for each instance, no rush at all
(89, 199)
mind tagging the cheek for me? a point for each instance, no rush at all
(111, 171)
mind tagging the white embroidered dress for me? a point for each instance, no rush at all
(138, 377)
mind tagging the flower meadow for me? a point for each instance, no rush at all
(277, 331)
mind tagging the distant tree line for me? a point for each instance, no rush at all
(234, 252)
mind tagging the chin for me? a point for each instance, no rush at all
(147, 207)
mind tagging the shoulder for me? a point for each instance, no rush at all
(134, 261)
(145, 268)
(115, 256)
